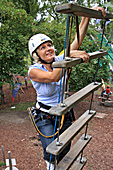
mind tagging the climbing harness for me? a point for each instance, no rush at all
(33, 115)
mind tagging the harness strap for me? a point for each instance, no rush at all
(44, 106)
(34, 124)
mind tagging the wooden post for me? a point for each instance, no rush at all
(10, 162)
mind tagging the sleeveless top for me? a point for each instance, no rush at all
(47, 93)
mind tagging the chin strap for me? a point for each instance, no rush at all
(42, 61)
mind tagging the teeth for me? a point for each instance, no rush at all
(49, 53)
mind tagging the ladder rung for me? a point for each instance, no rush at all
(74, 61)
(70, 133)
(72, 100)
(75, 9)
(79, 165)
(72, 155)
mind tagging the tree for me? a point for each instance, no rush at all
(84, 74)
(48, 9)
(16, 28)
(41, 8)
(109, 32)
(32, 7)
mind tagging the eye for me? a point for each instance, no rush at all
(42, 48)
(49, 45)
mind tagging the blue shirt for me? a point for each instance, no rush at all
(47, 93)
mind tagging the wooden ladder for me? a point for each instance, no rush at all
(72, 159)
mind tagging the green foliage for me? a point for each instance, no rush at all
(84, 74)
(55, 31)
(15, 30)
(2, 164)
(109, 5)
(109, 29)
(48, 8)
(30, 6)
(19, 107)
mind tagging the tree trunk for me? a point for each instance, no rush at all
(1, 95)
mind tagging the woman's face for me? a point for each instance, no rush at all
(46, 51)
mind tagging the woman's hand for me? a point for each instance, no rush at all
(80, 54)
(100, 9)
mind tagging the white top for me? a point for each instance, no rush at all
(47, 93)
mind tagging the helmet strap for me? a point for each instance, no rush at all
(42, 61)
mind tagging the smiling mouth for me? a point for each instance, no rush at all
(49, 54)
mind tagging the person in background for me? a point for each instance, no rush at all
(46, 81)
(108, 91)
(103, 89)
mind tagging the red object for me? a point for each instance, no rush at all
(107, 90)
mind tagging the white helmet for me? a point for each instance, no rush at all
(36, 40)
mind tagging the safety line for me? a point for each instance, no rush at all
(60, 89)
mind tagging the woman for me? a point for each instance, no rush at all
(46, 81)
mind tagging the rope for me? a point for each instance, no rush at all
(77, 28)
(59, 94)
(95, 77)
(34, 124)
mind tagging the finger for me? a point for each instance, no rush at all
(85, 58)
(102, 10)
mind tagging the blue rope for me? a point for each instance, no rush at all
(60, 84)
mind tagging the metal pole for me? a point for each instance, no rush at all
(58, 141)
(62, 104)
(91, 102)
(3, 154)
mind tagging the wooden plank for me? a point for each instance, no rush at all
(71, 101)
(74, 61)
(75, 9)
(70, 133)
(79, 165)
(72, 155)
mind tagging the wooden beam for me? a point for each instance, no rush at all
(71, 101)
(79, 165)
(72, 155)
(74, 61)
(75, 9)
(66, 137)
